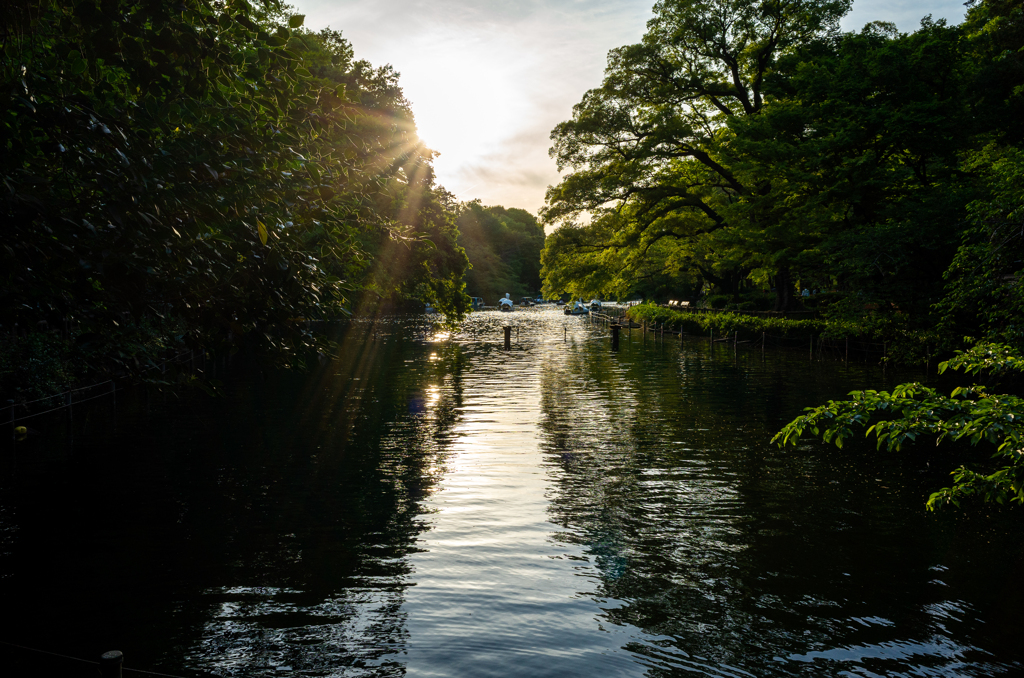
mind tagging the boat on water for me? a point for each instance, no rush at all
(596, 306)
(576, 308)
(506, 304)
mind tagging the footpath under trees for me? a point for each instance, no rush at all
(200, 175)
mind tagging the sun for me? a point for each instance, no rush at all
(466, 94)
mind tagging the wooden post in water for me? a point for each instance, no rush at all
(508, 337)
(615, 337)
(110, 664)
(645, 331)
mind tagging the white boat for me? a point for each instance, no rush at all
(595, 305)
(576, 308)
(506, 304)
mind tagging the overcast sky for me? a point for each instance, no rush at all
(489, 79)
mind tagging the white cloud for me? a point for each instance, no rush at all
(489, 79)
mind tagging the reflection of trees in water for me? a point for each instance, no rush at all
(320, 510)
(725, 549)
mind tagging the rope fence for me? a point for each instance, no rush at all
(110, 664)
(69, 396)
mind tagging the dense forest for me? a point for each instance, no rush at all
(201, 175)
(503, 246)
(747, 150)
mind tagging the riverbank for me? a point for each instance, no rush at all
(872, 338)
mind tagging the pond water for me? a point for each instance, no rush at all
(433, 505)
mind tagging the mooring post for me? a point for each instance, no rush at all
(508, 337)
(110, 664)
(645, 331)
(615, 337)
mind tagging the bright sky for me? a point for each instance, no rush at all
(489, 79)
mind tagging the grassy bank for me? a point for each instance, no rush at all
(889, 336)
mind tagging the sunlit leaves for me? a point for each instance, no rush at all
(145, 141)
(912, 410)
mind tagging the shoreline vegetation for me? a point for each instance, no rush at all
(747, 153)
(210, 176)
(890, 341)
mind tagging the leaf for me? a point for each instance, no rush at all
(262, 230)
(296, 20)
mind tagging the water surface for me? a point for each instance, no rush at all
(433, 505)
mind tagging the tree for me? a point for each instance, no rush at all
(857, 154)
(650, 138)
(503, 246)
(202, 171)
(912, 411)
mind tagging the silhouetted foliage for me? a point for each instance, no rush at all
(203, 173)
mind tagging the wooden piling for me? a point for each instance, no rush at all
(111, 663)
(508, 337)
(615, 337)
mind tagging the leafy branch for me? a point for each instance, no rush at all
(911, 410)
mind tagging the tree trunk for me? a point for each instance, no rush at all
(784, 298)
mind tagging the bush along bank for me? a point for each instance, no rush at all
(884, 338)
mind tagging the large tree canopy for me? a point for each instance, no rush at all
(648, 144)
(208, 171)
(769, 149)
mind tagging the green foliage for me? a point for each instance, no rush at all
(984, 292)
(211, 167)
(503, 246)
(36, 365)
(878, 328)
(647, 150)
(912, 411)
(725, 152)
